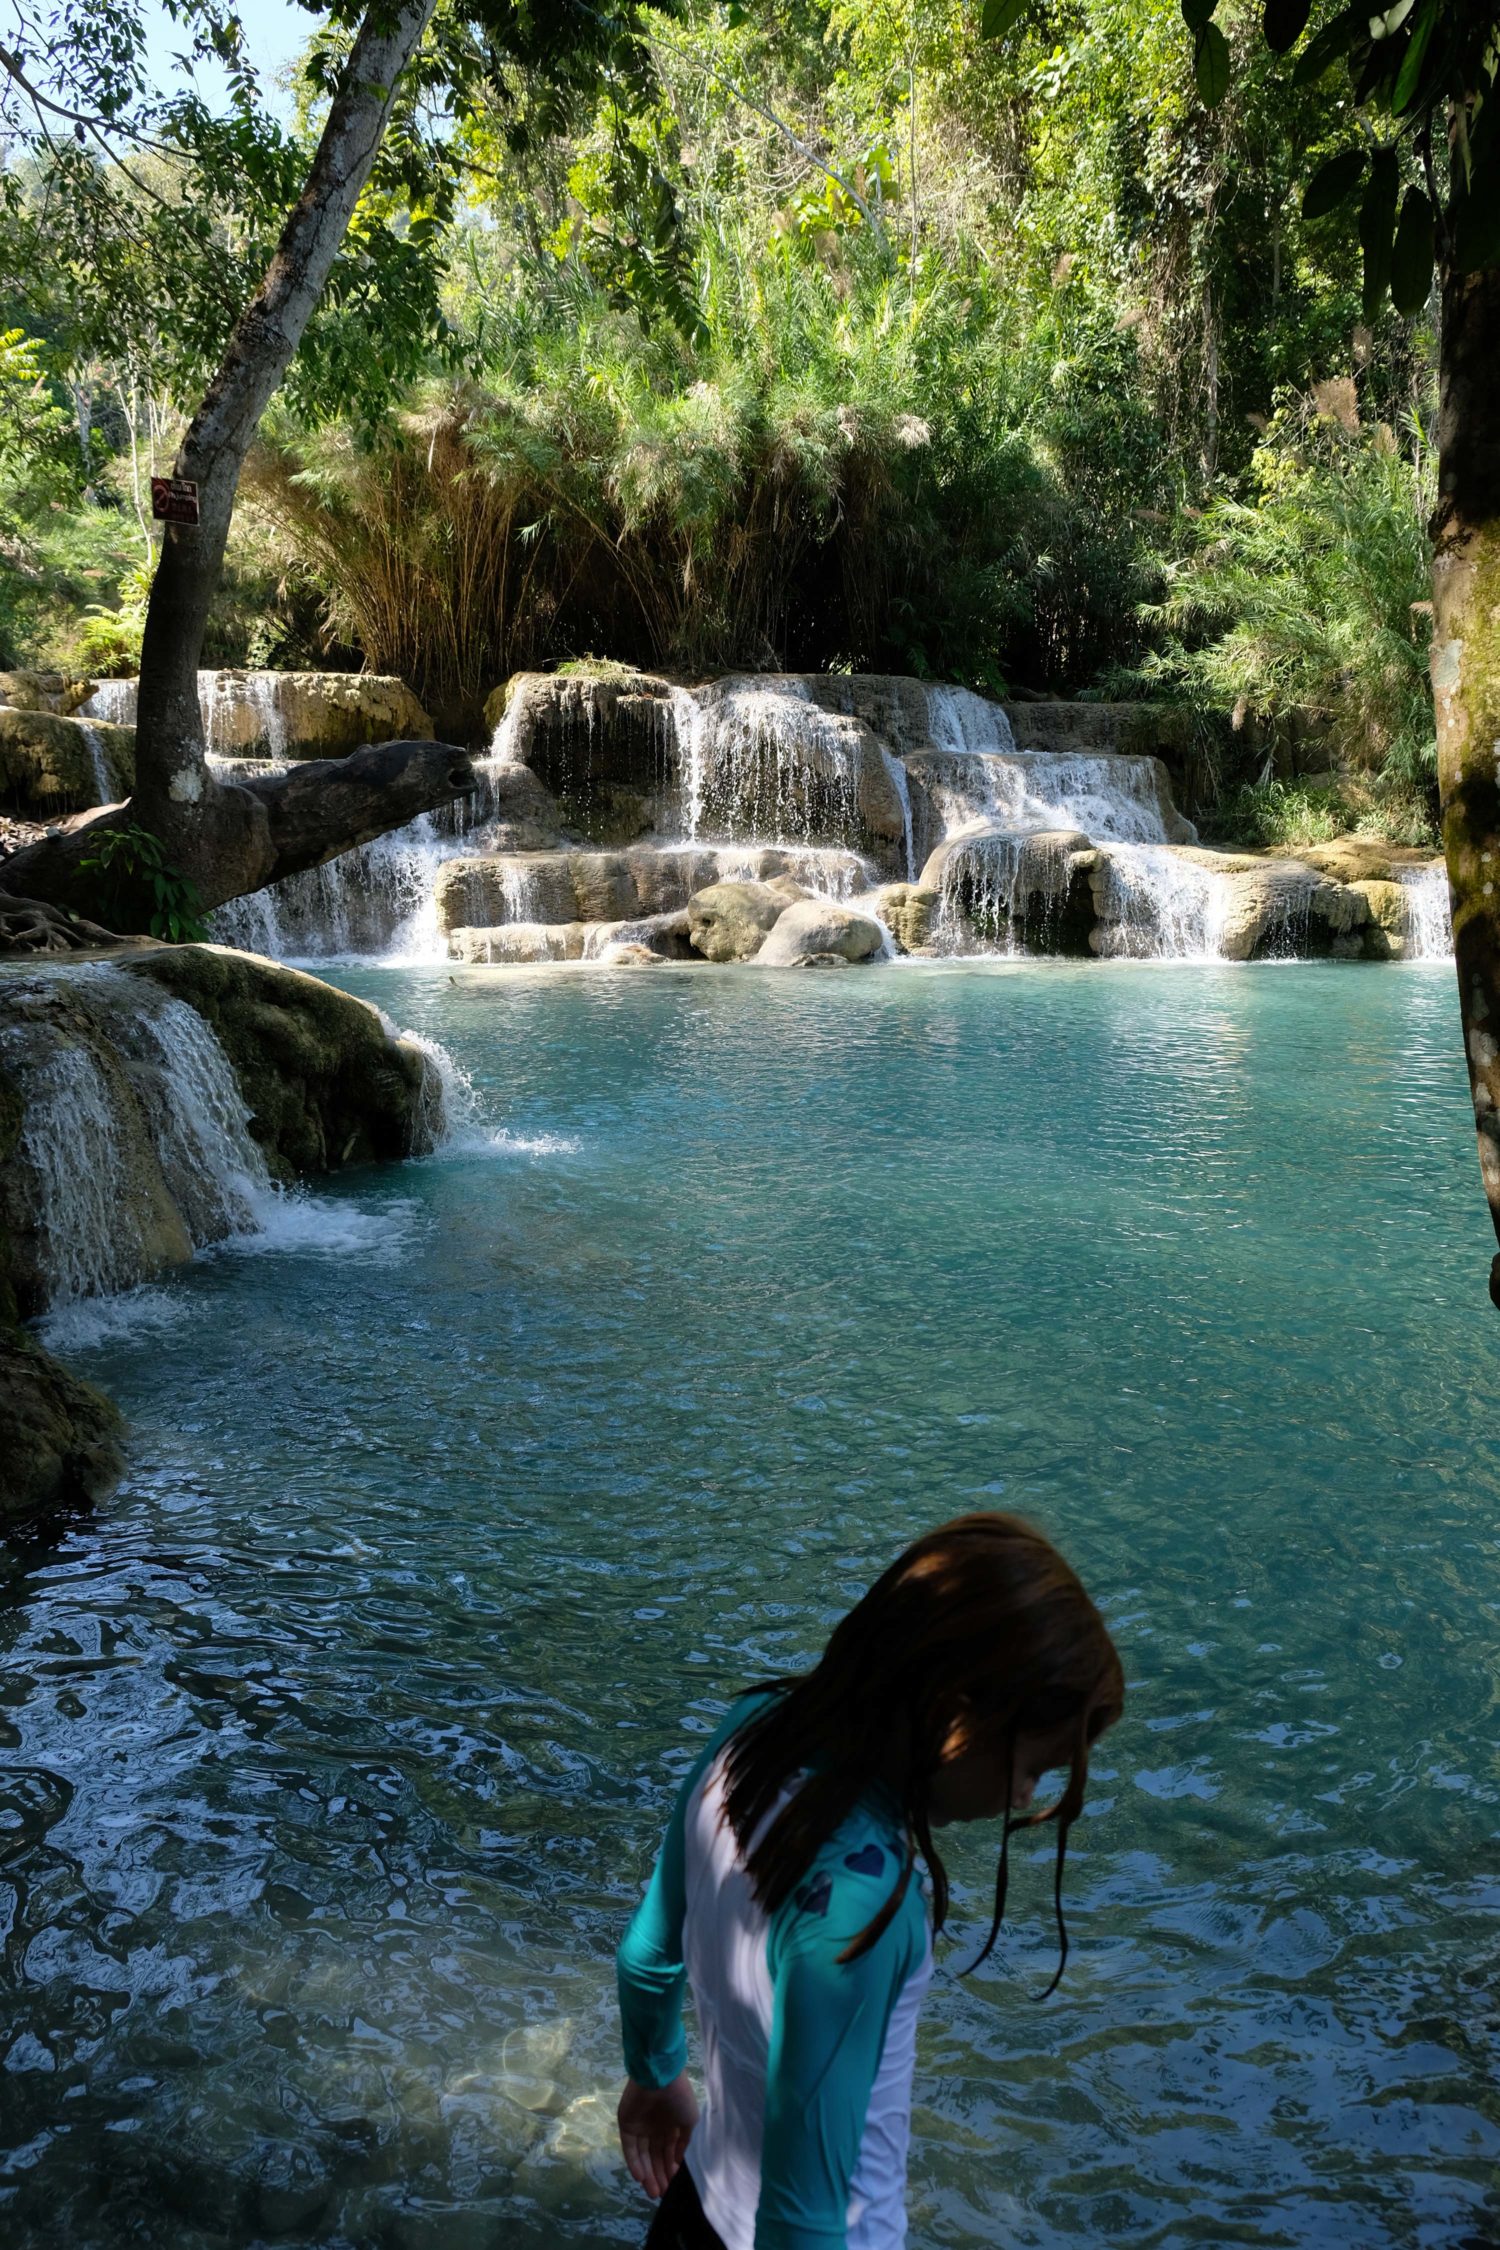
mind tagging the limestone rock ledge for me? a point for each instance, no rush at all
(114, 1168)
(326, 1081)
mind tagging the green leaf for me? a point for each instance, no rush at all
(1284, 22)
(1377, 229)
(1333, 183)
(1334, 40)
(1001, 16)
(1196, 13)
(1412, 257)
(1388, 21)
(1411, 69)
(1211, 65)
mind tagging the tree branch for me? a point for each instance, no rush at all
(808, 155)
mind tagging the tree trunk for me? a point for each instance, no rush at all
(293, 821)
(222, 835)
(1466, 685)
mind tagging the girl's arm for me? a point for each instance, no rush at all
(649, 1968)
(658, 2108)
(828, 2035)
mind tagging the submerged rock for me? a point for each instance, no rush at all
(729, 921)
(815, 928)
(519, 942)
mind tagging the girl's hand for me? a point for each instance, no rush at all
(656, 2125)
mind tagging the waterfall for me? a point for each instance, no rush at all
(1429, 922)
(989, 883)
(967, 725)
(134, 1129)
(377, 900)
(90, 1239)
(897, 772)
(1155, 904)
(197, 1116)
(93, 742)
(135, 1147)
(113, 702)
(765, 762)
(220, 696)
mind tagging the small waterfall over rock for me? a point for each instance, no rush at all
(135, 1145)
(1429, 918)
(98, 765)
(1156, 905)
(609, 799)
(135, 1131)
(113, 701)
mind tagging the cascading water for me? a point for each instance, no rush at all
(98, 764)
(135, 1148)
(1429, 921)
(134, 1127)
(606, 800)
(113, 702)
(376, 900)
(1158, 906)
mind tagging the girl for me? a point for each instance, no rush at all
(784, 1893)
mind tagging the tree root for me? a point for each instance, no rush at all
(30, 925)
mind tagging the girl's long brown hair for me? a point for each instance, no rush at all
(980, 1630)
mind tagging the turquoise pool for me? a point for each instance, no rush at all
(333, 1754)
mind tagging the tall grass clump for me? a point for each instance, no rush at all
(842, 474)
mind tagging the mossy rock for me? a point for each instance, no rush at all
(59, 1437)
(47, 763)
(325, 1082)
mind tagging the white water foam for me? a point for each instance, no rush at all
(98, 765)
(86, 1323)
(1429, 920)
(765, 762)
(1158, 905)
(113, 701)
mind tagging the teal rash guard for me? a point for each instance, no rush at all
(807, 2062)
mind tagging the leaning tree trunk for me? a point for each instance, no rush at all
(1466, 684)
(223, 836)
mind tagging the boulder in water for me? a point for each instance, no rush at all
(59, 1437)
(327, 1080)
(624, 953)
(908, 911)
(729, 921)
(815, 928)
(146, 1101)
(1384, 935)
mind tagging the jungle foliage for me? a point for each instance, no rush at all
(828, 334)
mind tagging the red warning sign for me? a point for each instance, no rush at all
(174, 500)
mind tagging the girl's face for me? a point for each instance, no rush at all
(970, 1781)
